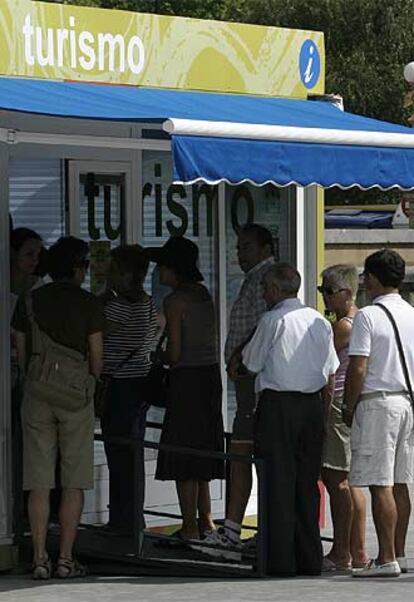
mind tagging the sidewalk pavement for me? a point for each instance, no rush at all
(340, 588)
(327, 588)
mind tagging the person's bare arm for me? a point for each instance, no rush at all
(342, 334)
(20, 342)
(173, 309)
(327, 397)
(235, 364)
(354, 380)
(95, 345)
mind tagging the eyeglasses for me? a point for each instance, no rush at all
(329, 291)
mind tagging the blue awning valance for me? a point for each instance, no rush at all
(237, 138)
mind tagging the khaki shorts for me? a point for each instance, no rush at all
(46, 429)
(382, 442)
(244, 421)
(337, 445)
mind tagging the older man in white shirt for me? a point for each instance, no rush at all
(377, 404)
(293, 355)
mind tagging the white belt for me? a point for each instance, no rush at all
(382, 394)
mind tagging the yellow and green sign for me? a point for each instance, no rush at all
(53, 41)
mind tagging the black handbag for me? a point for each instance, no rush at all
(157, 378)
(103, 383)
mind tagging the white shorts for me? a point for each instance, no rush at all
(382, 442)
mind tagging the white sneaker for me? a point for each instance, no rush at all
(226, 548)
(388, 569)
(402, 561)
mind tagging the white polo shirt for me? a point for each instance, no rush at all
(373, 336)
(292, 349)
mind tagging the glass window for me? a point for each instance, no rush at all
(36, 197)
(175, 210)
(101, 222)
(270, 207)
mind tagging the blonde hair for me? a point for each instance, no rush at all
(343, 275)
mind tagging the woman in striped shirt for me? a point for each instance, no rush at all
(132, 317)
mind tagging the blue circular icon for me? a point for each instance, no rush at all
(309, 64)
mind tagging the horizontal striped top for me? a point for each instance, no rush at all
(343, 364)
(136, 328)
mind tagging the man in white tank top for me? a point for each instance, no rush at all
(377, 404)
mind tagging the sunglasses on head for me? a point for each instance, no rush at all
(328, 290)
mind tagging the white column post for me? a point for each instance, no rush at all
(5, 393)
(222, 287)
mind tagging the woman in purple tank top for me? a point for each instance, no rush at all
(339, 288)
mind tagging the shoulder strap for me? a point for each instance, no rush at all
(400, 350)
(34, 327)
(41, 341)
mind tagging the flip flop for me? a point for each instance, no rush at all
(329, 566)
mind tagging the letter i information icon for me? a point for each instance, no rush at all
(309, 64)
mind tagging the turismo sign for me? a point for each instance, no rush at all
(106, 52)
(54, 41)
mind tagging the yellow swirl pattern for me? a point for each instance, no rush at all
(179, 52)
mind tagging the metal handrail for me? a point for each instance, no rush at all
(137, 446)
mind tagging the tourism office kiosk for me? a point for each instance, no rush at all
(123, 127)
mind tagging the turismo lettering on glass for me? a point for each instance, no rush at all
(173, 199)
(172, 209)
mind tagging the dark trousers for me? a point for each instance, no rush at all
(289, 433)
(125, 416)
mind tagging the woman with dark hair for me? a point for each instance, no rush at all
(193, 417)
(25, 247)
(127, 345)
(59, 341)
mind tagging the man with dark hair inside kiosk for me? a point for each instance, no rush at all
(60, 349)
(293, 357)
(255, 252)
(378, 406)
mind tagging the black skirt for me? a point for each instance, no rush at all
(193, 418)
